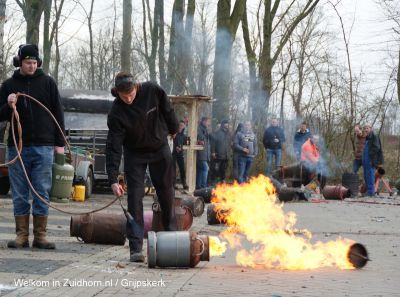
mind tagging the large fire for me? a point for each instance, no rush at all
(265, 236)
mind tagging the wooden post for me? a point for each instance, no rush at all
(192, 103)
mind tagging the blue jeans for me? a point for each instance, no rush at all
(369, 171)
(202, 174)
(244, 168)
(357, 163)
(38, 161)
(278, 156)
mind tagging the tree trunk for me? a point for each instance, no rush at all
(46, 36)
(126, 46)
(3, 5)
(227, 25)
(159, 4)
(176, 36)
(32, 10)
(91, 45)
(268, 57)
(398, 78)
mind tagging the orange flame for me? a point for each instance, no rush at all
(255, 219)
(217, 248)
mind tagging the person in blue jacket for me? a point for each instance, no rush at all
(300, 137)
(372, 158)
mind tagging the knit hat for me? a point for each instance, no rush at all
(29, 51)
(224, 121)
(124, 82)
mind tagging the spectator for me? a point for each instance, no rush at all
(177, 154)
(359, 147)
(372, 158)
(273, 139)
(41, 139)
(311, 160)
(246, 145)
(203, 156)
(236, 153)
(301, 136)
(220, 150)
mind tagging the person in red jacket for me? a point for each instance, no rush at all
(311, 159)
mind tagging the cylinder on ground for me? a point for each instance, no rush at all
(358, 255)
(204, 193)
(337, 192)
(99, 228)
(212, 214)
(195, 204)
(176, 249)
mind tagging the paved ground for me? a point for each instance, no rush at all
(77, 269)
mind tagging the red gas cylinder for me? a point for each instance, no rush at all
(337, 192)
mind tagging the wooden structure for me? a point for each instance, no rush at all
(193, 104)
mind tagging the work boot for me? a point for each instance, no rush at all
(137, 257)
(40, 232)
(22, 231)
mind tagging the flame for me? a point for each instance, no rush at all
(265, 235)
(217, 247)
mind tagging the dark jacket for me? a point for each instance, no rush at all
(179, 141)
(38, 127)
(299, 139)
(202, 135)
(220, 146)
(273, 138)
(374, 149)
(246, 139)
(141, 128)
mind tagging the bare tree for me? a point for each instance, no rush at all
(2, 22)
(269, 54)
(32, 10)
(48, 37)
(126, 46)
(227, 25)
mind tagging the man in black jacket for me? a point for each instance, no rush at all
(140, 120)
(203, 156)
(372, 158)
(41, 138)
(220, 150)
(177, 154)
(273, 139)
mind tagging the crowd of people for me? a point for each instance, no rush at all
(241, 147)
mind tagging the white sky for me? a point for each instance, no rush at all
(371, 38)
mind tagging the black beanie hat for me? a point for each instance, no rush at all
(29, 51)
(124, 82)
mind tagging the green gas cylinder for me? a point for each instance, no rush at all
(63, 176)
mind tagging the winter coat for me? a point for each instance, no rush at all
(220, 146)
(38, 128)
(299, 139)
(179, 141)
(140, 128)
(273, 138)
(374, 149)
(246, 139)
(203, 135)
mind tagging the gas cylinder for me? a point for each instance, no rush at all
(63, 176)
(176, 249)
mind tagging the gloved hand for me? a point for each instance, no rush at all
(117, 189)
(12, 99)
